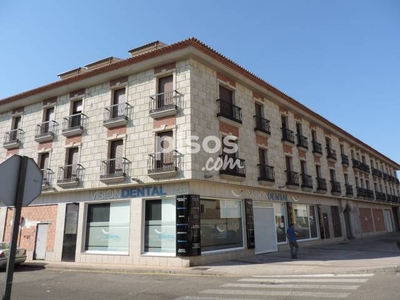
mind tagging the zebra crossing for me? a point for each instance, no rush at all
(312, 286)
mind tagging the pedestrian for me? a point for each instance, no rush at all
(292, 237)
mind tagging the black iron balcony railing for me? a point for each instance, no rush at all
(116, 112)
(331, 153)
(113, 167)
(302, 141)
(232, 166)
(397, 181)
(162, 162)
(262, 125)
(317, 147)
(380, 196)
(45, 128)
(349, 190)
(365, 193)
(306, 181)
(395, 199)
(345, 160)
(370, 194)
(356, 163)
(292, 178)
(376, 172)
(336, 188)
(229, 111)
(73, 122)
(12, 136)
(321, 184)
(364, 167)
(389, 198)
(287, 135)
(164, 101)
(69, 174)
(266, 173)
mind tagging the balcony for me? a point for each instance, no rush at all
(302, 142)
(45, 131)
(69, 176)
(317, 148)
(232, 168)
(365, 193)
(47, 178)
(331, 155)
(395, 199)
(381, 197)
(113, 170)
(349, 190)
(345, 160)
(162, 165)
(12, 139)
(229, 112)
(116, 115)
(287, 136)
(73, 125)
(376, 173)
(389, 198)
(262, 126)
(165, 104)
(292, 180)
(364, 167)
(336, 188)
(266, 175)
(306, 183)
(321, 185)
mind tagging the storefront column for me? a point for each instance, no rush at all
(59, 238)
(80, 234)
(3, 217)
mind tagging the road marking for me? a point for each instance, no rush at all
(291, 280)
(277, 293)
(314, 275)
(214, 298)
(293, 286)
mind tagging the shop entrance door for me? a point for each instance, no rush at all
(347, 221)
(396, 218)
(264, 229)
(41, 241)
(387, 216)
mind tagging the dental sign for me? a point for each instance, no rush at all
(138, 192)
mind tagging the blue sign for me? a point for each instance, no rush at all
(136, 192)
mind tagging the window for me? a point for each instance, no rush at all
(15, 126)
(259, 110)
(71, 168)
(43, 160)
(221, 224)
(280, 222)
(305, 221)
(314, 136)
(333, 175)
(165, 155)
(342, 149)
(303, 165)
(107, 227)
(48, 124)
(118, 104)
(160, 229)
(116, 153)
(328, 143)
(346, 178)
(226, 102)
(76, 111)
(299, 129)
(318, 170)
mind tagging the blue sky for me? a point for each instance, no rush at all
(339, 58)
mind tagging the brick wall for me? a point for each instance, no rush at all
(366, 221)
(33, 215)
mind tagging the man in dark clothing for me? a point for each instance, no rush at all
(291, 235)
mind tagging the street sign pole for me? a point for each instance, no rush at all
(17, 215)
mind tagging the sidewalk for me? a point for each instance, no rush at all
(375, 254)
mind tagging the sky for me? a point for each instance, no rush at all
(339, 58)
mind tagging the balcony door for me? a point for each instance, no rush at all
(72, 162)
(76, 113)
(49, 117)
(118, 100)
(262, 160)
(70, 232)
(44, 165)
(15, 126)
(227, 97)
(116, 154)
(164, 157)
(165, 89)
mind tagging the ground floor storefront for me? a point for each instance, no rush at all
(186, 224)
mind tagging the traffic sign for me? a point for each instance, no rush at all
(9, 174)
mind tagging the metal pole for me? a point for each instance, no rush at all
(17, 215)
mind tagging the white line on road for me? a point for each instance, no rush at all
(293, 286)
(310, 280)
(214, 298)
(277, 293)
(314, 275)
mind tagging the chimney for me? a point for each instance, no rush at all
(147, 48)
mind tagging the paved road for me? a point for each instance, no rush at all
(44, 284)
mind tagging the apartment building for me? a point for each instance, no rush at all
(132, 153)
